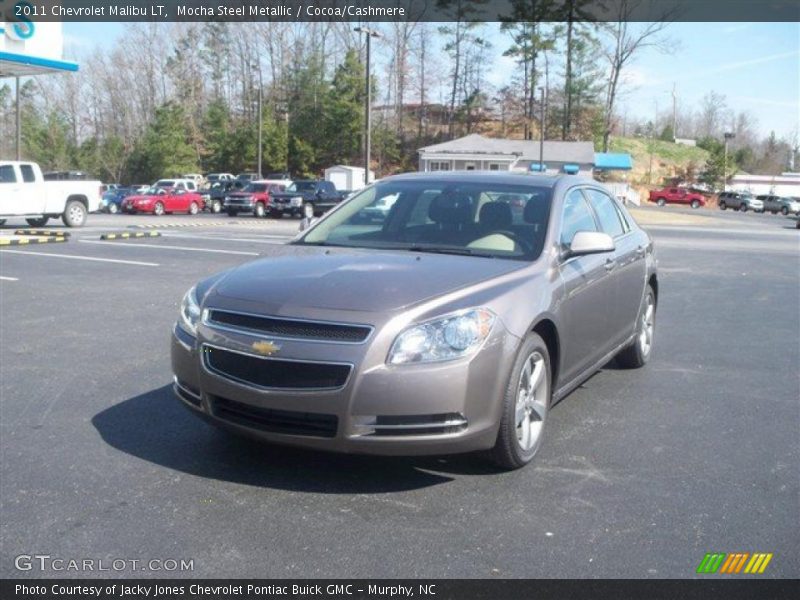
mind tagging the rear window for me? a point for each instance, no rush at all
(28, 176)
(607, 214)
(7, 174)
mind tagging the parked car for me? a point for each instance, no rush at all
(742, 201)
(213, 178)
(196, 177)
(452, 327)
(160, 200)
(677, 195)
(780, 204)
(248, 177)
(321, 195)
(214, 196)
(279, 175)
(25, 193)
(177, 184)
(255, 197)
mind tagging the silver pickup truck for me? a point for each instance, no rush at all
(24, 193)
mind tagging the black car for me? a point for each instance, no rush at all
(319, 194)
(215, 195)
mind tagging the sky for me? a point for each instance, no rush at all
(756, 66)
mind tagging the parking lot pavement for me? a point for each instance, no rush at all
(642, 472)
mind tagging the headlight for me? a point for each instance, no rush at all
(453, 336)
(190, 311)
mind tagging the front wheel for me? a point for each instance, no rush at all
(37, 222)
(784, 211)
(525, 405)
(638, 352)
(158, 209)
(113, 209)
(74, 214)
(216, 206)
(743, 207)
(695, 204)
(260, 212)
(661, 202)
(193, 208)
(722, 206)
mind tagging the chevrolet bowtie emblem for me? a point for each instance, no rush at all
(266, 348)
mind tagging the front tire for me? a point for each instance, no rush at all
(216, 206)
(722, 205)
(260, 212)
(113, 209)
(661, 202)
(37, 222)
(158, 209)
(784, 211)
(525, 406)
(638, 352)
(695, 204)
(743, 207)
(194, 208)
(74, 214)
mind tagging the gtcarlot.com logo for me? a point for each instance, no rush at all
(734, 563)
(46, 562)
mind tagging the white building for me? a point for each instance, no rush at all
(347, 178)
(475, 152)
(786, 184)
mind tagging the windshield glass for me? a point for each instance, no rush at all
(301, 186)
(256, 187)
(475, 218)
(165, 183)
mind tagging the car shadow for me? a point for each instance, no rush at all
(155, 427)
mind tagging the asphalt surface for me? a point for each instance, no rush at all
(642, 472)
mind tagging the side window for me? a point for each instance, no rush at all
(576, 217)
(7, 174)
(419, 214)
(28, 176)
(607, 214)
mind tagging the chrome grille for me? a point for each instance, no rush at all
(290, 328)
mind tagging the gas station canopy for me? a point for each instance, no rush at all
(32, 48)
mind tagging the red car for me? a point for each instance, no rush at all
(254, 198)
(676, 195)
(159, 201)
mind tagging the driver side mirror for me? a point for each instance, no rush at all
(590, 242)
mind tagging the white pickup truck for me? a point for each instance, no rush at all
(24, 193)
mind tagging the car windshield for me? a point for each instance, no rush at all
(477, 219)
(256, 187)
(302, 186)
(165, 183)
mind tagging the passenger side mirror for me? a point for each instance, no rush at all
(590, 242)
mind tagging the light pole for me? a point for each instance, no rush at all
(370, 33)
(728, 136)
(19, 123)
(541, 136)
(260, 118)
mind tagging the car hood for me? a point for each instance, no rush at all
(361, 281)
(139, 197)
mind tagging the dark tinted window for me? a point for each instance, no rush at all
(7, 174)
(577, 217)
(607, 214)
(28, 175)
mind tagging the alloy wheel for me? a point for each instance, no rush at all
(647, 325)
(530, 410)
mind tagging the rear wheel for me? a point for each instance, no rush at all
(193, 208)
(784, 211)
(74, 214)
(37, 222)
(722, 205)
(525, 406)
(638, 352)
(113, 209)
(158, 209)
(695, 204)
(743, 207)
(661, 202)
(260, 212)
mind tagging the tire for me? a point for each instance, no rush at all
(113, 209)
(743, 207)
(695, 204)
(2, 222)
(260, 210)
(158, 209)
(722, 205)
(74, 214)
(38, 222)
(638, 352)
(216, 206)
(661, 202)
(194, 208)
(784, 211)
(522, 420)
(275, 214)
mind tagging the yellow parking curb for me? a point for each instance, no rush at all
(128, 235)
(41, 232)
(32, 240)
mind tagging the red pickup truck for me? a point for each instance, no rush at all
(676, 195)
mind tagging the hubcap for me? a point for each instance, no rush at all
(76, 214)
(647, 325)
(531, 407)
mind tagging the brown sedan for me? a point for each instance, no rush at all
(448, 321)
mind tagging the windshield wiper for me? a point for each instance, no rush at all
(450, 250)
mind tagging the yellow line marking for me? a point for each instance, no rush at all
(765, 563)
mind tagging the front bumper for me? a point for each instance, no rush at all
(436, 408)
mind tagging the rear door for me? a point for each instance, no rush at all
(628, 268)
(590, 292)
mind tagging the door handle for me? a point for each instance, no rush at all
(610, 264)
(640, 251)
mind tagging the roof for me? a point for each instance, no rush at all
(613, 160)
(556, 151)
(500, 177)
(20, 65)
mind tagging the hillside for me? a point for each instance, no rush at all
(669, 159)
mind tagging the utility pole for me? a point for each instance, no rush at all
(728, 136)
(260, 118)
(674, 113)
(541, 135)
(370, 33)
(19, 124)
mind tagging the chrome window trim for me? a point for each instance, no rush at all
(207, 321)
(250, 385)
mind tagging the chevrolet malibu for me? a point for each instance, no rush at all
(453, 324)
